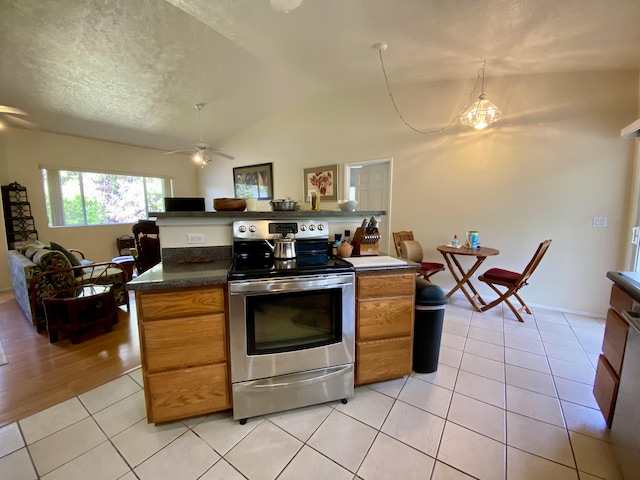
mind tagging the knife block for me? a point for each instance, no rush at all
(365, 244)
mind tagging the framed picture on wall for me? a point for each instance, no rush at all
(322, 179)
(253, 181)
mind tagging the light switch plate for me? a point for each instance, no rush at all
(600, 222)
(195, 237)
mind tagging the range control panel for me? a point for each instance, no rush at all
(267, 229)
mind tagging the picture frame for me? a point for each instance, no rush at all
(253, 181)
(324, 179)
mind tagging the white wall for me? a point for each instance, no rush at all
(25, 150)
(545, 170)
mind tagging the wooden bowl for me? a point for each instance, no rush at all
(229, 204)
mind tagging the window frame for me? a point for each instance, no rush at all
(53, 192)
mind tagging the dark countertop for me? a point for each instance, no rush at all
(179, 276)
(212, 273)
(628, 281)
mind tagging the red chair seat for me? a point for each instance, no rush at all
(431, 266)
(500, 275)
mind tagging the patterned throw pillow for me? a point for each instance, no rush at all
(73, 260)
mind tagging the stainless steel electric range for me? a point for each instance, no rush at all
(292, 319)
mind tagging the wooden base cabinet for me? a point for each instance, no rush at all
(610, 362)
(184, 352)
(384, 326)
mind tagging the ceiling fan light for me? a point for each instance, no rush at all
(198, 158)
(284, 5)
(481, 114)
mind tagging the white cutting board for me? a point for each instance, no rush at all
(375, 261)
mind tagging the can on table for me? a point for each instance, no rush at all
(472, 238)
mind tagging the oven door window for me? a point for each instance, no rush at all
(285, 322)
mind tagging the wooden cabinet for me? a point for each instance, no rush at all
(610, 362)
(605, 388)
(384, 325)
(184, 352)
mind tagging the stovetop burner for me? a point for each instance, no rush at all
(253, 258)
(312, 264)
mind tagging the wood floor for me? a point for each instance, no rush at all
(42, 374)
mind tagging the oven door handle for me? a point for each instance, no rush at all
(295, 379)
(289, 284)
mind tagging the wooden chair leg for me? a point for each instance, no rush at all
(524, 305)
(515, 311)
(504, 297)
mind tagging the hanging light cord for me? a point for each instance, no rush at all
(480, 78)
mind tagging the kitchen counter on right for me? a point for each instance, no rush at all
(627, 281)
(617, 384)
(380, 261)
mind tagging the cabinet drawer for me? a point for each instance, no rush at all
(615, 340)
(184, 342)
(384, 318)
(186, 393)
(605, 389)
(620, 300)
(383, 360)
(386, 285)
(180, 303)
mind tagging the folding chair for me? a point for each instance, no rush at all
(512, 282)
(410, 249)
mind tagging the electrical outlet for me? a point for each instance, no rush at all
(600, 222)
(195, 237)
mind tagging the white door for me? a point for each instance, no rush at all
(372, 186)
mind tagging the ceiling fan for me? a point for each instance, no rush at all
(202, 152)
(12, 115)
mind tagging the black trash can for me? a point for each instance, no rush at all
(427, 332)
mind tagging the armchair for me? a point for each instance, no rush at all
(50, 284)
(32, 261)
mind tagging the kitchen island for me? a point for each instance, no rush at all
(183, 325)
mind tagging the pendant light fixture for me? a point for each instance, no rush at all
(478, 115)
(482, 113)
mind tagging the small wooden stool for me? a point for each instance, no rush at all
(72, 310)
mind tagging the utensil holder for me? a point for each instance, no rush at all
(365, 244)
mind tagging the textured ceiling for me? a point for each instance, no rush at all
(131, 70)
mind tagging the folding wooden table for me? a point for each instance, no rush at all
(462, 277)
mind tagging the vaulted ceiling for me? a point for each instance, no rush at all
(131, 71)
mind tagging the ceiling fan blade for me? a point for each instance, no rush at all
(179, 151)
(21, 122)
(12, 110)
(217, 151)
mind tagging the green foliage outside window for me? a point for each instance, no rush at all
(87, 198)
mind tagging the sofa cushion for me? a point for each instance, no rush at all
(31, 243)
(48, 259)
(73, 260)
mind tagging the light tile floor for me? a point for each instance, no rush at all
(508, 401)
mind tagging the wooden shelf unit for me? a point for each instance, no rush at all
(18, 221)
